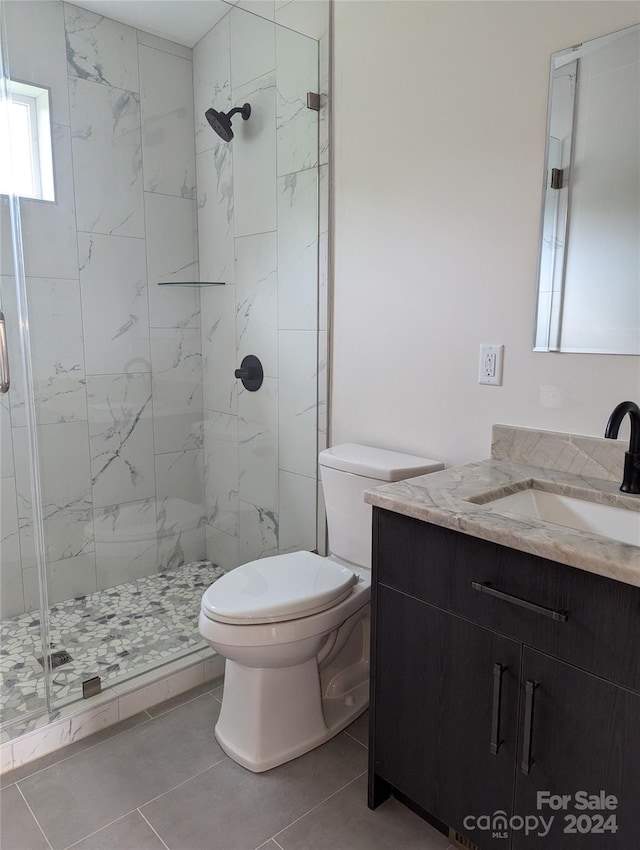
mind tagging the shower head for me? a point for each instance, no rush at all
(221, 121)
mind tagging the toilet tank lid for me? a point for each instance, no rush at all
(380, 464)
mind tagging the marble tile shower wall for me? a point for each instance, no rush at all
(117, 360)
(258, 232)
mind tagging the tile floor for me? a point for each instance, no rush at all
(160, 780)
(113, 633)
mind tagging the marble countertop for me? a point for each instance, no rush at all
(442, 498)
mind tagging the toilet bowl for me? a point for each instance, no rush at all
(294, 628)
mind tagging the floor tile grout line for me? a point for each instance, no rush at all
(151, 828)
(83, 750)
(117, 735)
(96, 831)
(355, 739)
(184, 781)
(317, 806)
(180, 704)
(138, 808)
(26, 802)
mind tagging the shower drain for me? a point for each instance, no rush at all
(57, 658)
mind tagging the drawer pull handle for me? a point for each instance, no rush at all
(527, 761)
(498, 670)
(558, 616)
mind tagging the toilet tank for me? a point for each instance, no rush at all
(347, 471)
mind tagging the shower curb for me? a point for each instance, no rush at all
(114, 704)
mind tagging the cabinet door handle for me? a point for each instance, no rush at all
(498, 670)
(5, 380)
(559, 616)
(527, 761)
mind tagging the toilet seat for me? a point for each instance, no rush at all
(276, 589)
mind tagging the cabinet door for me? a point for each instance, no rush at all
(441, 704)
(579, 734)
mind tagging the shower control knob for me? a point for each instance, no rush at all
(250, 373)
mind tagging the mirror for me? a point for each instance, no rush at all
(589, 269)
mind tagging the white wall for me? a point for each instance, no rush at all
(439, 150)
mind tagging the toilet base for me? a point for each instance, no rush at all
(270, 716)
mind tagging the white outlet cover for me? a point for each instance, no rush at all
(486, 350)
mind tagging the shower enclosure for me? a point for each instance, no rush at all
(137, 270)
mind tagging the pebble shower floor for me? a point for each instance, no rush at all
(112, 633)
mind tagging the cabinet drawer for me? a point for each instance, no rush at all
(601, 632)
(409, 559)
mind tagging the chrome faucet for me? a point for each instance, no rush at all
(631, 475)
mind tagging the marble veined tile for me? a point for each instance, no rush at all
(163, 44)
(107, 158)
(215, 214)
(211, 80)
(177, 389)
(172, 255)
(223, 549)
(254, 158)
(257, 532)
(220, 387)
(323, 388)
(257, 300)
(36, 37)
(100, 49)
(298, 402)
(324, 87)
(180, 506)
(298, 251)
(309, 17)
(6, 440)
(126, 545)
(297, 126)
(121, 438)
(66, 491)
(11, 594)
(297, 512)
(48, 229)
(166, 101)
(253, 47)
(258, 445)
(115, 312)
(221, 471)
(57, 353)
(71, 577)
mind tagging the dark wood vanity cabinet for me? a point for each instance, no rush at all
(478, 703)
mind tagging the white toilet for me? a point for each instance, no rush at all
(295, 628)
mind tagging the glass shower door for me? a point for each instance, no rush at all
(24, 660)
(138, 468)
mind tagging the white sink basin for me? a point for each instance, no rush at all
(617, 523)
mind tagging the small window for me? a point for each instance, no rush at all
(28, 142)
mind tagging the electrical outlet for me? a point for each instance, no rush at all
(490, 367)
